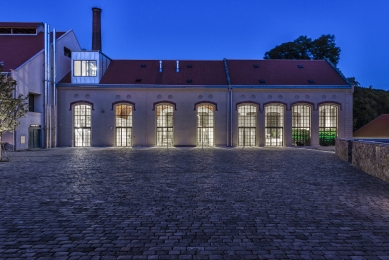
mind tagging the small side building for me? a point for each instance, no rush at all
(25, 56)
(376, 130)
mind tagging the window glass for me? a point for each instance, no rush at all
(205, 130)
(85, 68)
(328, 124)
(164, 125)
(82, 125)
(247, 122)
(123, 117)
(274, 125)
(301, 125)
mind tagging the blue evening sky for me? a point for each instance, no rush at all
(217, 29)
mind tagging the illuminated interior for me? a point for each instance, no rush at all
(328, 124)
(123, 117)
(165, 125)
(82, 125)
(301, 125)
(85, 68)
(205, 126)
(247, 122)
(274, 125)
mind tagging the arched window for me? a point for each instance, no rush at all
(205, 125)
(82, 124)
(165, 125)
(328, 124)
(123, 124)
(274, 125)
(301, 125)
(247, 124)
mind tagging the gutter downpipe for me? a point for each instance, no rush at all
(229, 106)
(14, 132)
(49, 91)
(45, 92)
(48, 88)
(54, 89)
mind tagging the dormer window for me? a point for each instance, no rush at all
(85, 68)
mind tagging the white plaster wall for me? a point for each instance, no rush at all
(69, 41)
(144, 117)
(30, 79)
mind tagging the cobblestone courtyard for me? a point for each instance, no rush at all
(255, 203)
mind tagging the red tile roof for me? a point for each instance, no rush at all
(201, 72)
(283, 72)
(242, 72)
(378, 128)
(17, 49)
(20, 24)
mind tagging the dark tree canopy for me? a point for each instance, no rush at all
(369, 103)
(303, 48)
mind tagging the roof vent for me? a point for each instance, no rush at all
(262, 81)
(189, 65)
(300, 66)
(256, 66)
(143, 65)
(311, 81)
(138, 80)
(189, 80)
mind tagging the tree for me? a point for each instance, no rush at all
(369, 103)
(303, 48)
(11, 108)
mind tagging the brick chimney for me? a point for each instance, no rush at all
(96, 30)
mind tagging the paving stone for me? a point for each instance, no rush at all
(190, 203)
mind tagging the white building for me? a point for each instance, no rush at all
(24, 55)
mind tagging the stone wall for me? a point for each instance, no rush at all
(370, 157)
(342, 149)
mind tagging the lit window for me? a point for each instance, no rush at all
(301, 125)
(84, 68)
(328, 124)
(165, 125)
(82, 125)
(274, 125)
(123, 125)
(247, 125)
(205, 125)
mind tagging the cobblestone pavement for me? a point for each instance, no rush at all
(256, 203)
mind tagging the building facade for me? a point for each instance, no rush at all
(170, 103)
(30, 56)
(105, 102)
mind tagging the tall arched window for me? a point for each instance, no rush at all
(82, 125)
(328, 124)
(205, 125)
(301, 125)
(247, 124)
(123, 124)
(165, 125)
(274, 125)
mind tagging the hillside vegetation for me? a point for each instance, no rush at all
(369, 103)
